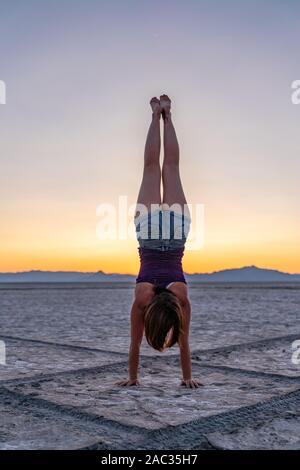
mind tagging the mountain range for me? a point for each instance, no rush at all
(244, 274)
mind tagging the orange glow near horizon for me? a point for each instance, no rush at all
(205, 261)
(64, 238)
(122, 257)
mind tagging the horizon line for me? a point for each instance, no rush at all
(128, 274)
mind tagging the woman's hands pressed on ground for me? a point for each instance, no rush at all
(191, 383)
(127, 382)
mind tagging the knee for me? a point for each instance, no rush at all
(170, 172)
(171, 167)
(152, 170)
(151, 164)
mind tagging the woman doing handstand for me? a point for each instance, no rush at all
(161, 307)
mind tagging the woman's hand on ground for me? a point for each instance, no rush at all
(191, 383)
(127, 382)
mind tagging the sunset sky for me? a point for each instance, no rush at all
(79, 77)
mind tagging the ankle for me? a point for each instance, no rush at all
(156, 116)
(167, 117)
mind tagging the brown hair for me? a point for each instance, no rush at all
(162, 314)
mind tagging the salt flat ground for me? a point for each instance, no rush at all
(66, 345)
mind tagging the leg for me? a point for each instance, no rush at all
(150, 187)
(172, 187)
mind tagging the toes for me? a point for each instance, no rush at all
(154, 100)
(164, 98)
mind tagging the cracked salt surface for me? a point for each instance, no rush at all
(99, 317)
(62, 395)
(279, 433)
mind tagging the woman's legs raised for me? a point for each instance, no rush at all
(172, 188)
(150, 187)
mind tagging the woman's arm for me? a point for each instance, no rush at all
(181, 291)
(137, 331)
(185, 355)
(143, 296)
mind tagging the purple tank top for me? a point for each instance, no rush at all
(161, 267)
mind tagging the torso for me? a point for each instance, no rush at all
(161, 268)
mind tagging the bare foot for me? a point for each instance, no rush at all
(155, 105)
(165, 104)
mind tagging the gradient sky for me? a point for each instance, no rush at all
(79, 77)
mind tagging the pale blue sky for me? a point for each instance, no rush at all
(79, 76)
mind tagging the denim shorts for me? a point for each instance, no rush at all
(162, 229)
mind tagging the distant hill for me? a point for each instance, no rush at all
(64, 276)
(245, 274)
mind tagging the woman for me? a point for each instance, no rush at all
(161, 307)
